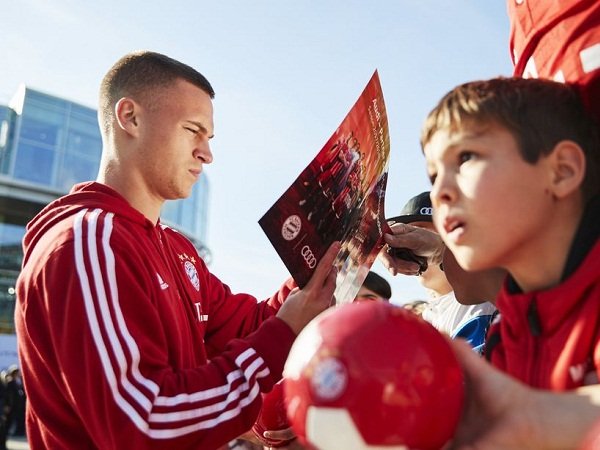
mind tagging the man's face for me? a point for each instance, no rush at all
(175, 131)
(472, 288)
(489, 205)
(433, 278)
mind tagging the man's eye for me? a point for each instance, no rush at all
(191, 130)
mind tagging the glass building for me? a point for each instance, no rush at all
(47, 144)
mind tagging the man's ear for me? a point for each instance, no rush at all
(568, 164)
(126, 111)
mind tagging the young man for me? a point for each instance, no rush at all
(117, 315)
(443, 311)
(514, 165)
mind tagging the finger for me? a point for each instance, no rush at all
(468, 359)
(397, 265)
(400, 228)
(329, 285)
(333, 301)
(280, 435)
(324, 267)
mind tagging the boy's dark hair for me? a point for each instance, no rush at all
(378, 284)
(538, 113)
(139, 74)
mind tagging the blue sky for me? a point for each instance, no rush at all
(285, 74)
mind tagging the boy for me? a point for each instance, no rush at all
(514, 167)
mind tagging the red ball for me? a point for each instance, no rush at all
(272, 416)
(372, 374)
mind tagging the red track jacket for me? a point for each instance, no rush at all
(551, 339)
(558, 40)
(116, 321)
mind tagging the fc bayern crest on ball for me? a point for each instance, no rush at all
(329, 379)
(192, 274)
(291, 227)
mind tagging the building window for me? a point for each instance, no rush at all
(34, 163)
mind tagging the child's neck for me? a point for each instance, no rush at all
(540, 265)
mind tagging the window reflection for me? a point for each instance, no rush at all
(38, 131)
(34, 163)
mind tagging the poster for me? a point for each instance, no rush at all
(338, 196)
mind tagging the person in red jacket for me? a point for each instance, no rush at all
(515, 168)
(558, 40)
(125, 337)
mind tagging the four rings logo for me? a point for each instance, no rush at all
(291, 227)
(426, 211)
(309, 257)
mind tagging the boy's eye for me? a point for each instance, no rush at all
(432, 177)
(465, 156)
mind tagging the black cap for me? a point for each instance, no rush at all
(417, 209)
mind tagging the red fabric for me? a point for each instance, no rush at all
(112, 316)
(554, 38)
(566, 354)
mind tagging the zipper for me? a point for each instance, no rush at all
(535, 328)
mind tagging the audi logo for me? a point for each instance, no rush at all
(309, 257)
(426, 211)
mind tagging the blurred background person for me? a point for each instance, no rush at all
(443, 311)
(14, 402)
(375, 287)
(416, 306)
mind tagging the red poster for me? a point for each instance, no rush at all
(339, 196)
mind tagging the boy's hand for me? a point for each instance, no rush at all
(503, 413)
(302, 305)
(420, 241)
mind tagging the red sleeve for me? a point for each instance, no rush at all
(98, 331)
(238, 315)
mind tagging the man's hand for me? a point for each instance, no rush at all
(302, 305)
(285, 435)
(420, 241)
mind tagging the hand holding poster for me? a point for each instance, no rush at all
(338, 197)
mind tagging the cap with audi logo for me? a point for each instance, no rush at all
(417, 209)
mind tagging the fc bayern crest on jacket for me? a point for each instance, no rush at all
(190, 270)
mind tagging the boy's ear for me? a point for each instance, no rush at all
(126, 111)
(568, 168)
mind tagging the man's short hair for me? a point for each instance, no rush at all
(538, 113)
(378, 284)
(139, 75)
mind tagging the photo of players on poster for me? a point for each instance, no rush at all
(339, 196)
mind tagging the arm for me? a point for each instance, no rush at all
(238, 315)
(117, 352)
(121, 371)
(501, 412)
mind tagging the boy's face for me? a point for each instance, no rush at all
(489, 204)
